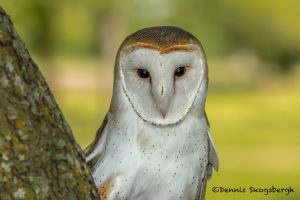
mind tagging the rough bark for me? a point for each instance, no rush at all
(39, 158)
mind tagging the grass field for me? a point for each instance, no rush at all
(257, 136)
(256, 132)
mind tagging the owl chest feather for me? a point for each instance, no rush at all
(143, 161)
(154, 142)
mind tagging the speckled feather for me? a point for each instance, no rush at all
(162, 36)
(139, 154)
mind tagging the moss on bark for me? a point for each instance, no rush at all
(39, 158)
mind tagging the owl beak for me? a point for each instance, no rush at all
(162, 98)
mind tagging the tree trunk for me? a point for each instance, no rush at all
(39, 158)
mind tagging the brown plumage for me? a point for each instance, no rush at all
(105, 188)
(162, 38)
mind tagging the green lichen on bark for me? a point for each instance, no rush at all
(39, 158)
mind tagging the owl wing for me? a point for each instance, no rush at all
(213, 162)
(94, 150)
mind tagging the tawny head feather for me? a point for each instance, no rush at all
(161, 38)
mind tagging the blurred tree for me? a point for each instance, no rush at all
(249, 25)
(267, 28)
(110, 29)
(36, 19)
(41, 19)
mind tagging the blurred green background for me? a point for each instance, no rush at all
(253, 49)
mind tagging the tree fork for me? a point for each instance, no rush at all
(39, 157)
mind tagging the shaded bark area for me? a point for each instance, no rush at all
(39, 158)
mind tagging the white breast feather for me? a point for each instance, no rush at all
(152, 162)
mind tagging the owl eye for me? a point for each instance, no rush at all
(180, 71)
(143, 73)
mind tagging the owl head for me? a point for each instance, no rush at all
(162, 72)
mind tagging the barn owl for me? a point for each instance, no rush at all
(154, 143)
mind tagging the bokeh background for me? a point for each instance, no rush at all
(253, 49)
